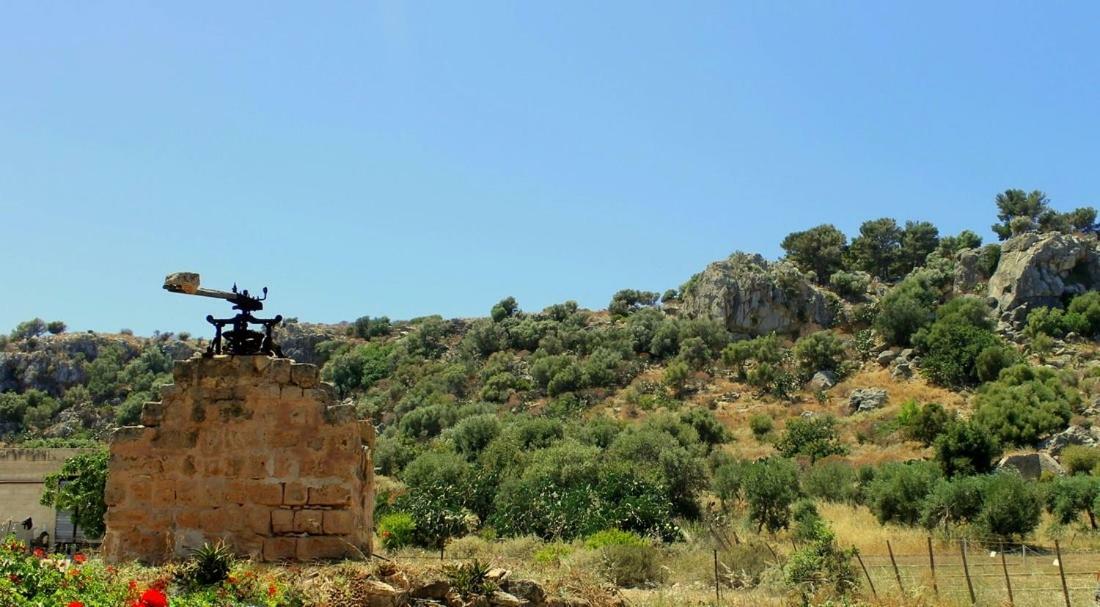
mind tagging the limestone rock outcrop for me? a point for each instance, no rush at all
(251, 450)
(862, 400)
(1042, 270)
(1030, 465)
(751, 296)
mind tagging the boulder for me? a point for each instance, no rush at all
(567, 601)
(866, 399)
(1030, 465)
(902, 370)
(503, 599)
(381, 594)
(1073, 435)
(969, 276)
(886, 357)
(822, 380)
(527, 590)
(1042, 270)
(751, 296)
(435, 591)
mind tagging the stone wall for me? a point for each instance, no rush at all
(251, 450)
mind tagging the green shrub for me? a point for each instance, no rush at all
(966, 448)
(1079, 459)
(953, 502)
(950, 346)
(822, 567)
(613, 537)
(711, 432)
(832, 480)
(849, 284)
(923, 423)
(79, 488)
(897, 493)
(471, 435)
(819, 250)
(628, 565)
(1068, 497)
(761, 426)
(1025, 404)
(1012, 506)
(727, 481)
(905, 309)
(815, 437)
(396, 529)
(770, 486)
(208, 565)
(627, 301)
(821, 351)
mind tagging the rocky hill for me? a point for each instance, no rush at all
(900, 345)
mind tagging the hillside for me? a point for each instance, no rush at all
(862, 379)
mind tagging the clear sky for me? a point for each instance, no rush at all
(415, 158)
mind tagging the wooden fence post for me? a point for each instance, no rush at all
(1008, 582)
(717, 592)
(864, 568)
(1062, 571)
(966, 572)
(897, 574)
(932, 565)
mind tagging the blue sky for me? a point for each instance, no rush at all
(415, 158)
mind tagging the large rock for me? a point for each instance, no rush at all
(866, 399)
(1073, 435)
(1042, 270)
(969, 274)
(1030, 465)
(751, 296)
(299, 340)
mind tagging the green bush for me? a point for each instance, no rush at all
(631, 565)
(954, 501)
(950, 346)
(966, 448)
(770, 486)
(815, 437)
(1025, 404)
(904, 310)
(849, 284)
(1068, 497)
(79, 488)
(471, 435)
(898, 492)
(923, 423)
(1012, 506)
(819, 250)
(832, 480)
(627, 301)
(1079, 459)
(822, 567)
(761, 426)
(821, 351)
(727, 482)
(396, 529)
(613, 537)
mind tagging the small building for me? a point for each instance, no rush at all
(22, 482)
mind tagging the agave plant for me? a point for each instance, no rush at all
(207, 566)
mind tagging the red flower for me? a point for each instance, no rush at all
(79, 558)
(271, 590)
(75, 604)
(39, 552)
(153, 598)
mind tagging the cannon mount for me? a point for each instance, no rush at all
(240, 339)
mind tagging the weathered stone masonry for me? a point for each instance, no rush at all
(251, 450)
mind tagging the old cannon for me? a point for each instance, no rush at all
(239, 339)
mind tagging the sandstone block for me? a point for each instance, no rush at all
(309, 521)
(295, 494)
(304, 375)
(282, 521)
(319, 548)
(338, 522)
(267, 494)
(329, 495)
(280, 548)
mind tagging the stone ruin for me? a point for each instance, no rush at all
(250, 450)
